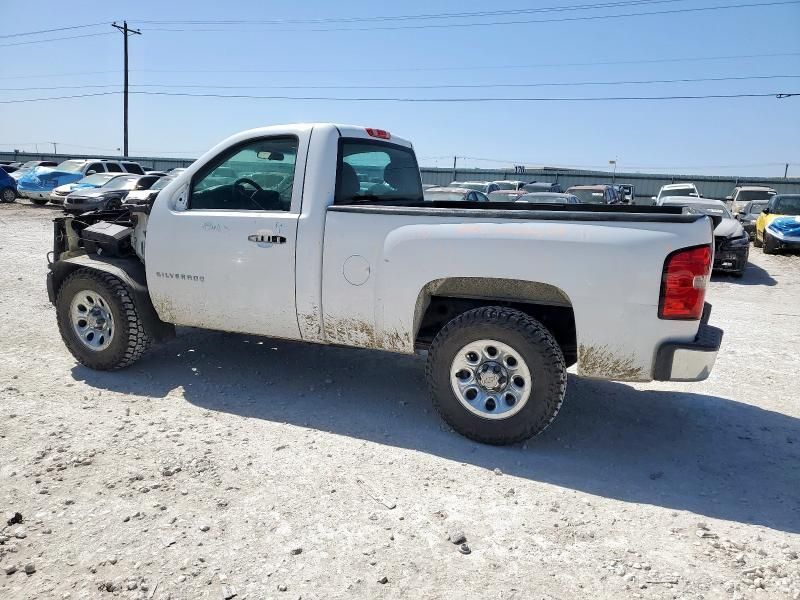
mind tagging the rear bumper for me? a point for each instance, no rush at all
(689, 361)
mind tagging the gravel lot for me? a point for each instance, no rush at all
(226, 466)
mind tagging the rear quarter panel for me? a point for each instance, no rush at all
(376, 266)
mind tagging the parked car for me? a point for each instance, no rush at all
(549, 198)
(148, 196)
(454, 194)
(731, 242)
(59, 194)
(595, 194)
(109, 196)
(543, 186)
(676, 189)
(28, 166)
(778, 226)
(742, 194)
(8, 187)
(39, 182)
(627, 193)
(390, 273)
(506, 184)
(506, 195)
(486, 187)
(748, 216)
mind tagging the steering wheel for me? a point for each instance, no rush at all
(239, 184)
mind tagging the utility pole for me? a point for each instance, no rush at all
(126, 31)
(455, 162)
(55, 147)
(786, 172)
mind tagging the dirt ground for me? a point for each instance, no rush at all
(228, 466)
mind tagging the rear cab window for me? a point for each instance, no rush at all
(377, 172)
(131, 167)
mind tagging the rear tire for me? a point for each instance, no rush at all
(757, 242)
(529, 390)
(8, 195)
(119, 341)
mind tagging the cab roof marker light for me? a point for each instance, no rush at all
(379, 133)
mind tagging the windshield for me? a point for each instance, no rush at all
(588, 196)
(748, 195)
(162, 183)
(121, 183)
(71, 166)
(505, 185)
(786, 205)
(373, 170)
(679, 192)
(434, 196)
(544, 198)
(478, 187)
(757, 207)
(712, 210)
(97, 179)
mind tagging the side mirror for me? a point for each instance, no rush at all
(729, 198)
(765, 211)
(91, 172)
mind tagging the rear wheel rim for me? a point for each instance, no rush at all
(491, 379)
(8, 195)
(92, 320)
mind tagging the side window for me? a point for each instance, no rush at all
(481, 197)
(131, 167)
(471, 197)
(113, 167)
(96, 167)
(256, 175)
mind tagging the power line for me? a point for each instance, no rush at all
(425, 16)
(58, 39)
(10, 35)
(59, 97)
(778, 95)
(415, 87)
(689, 59)
(492, 23)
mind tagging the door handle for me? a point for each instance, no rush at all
(260, 238)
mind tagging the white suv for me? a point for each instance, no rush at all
(676, 189)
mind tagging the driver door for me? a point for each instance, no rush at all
(221, 248)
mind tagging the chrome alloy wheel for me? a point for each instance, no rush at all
(92, 320)
(491, 379)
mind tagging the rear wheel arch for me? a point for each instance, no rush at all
(442, 300)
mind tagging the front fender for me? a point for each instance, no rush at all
(130, 271)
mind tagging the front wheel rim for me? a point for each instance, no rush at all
(8, 195)
(491, 379)
(92, 320)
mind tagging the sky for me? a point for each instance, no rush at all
(348, 49)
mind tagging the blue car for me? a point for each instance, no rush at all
(8, 187)
(38, 183)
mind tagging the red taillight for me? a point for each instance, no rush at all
(683, 284)
(379, 133)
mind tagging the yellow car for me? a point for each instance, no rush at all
(779, 225)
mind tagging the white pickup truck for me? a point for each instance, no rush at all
(319, 233)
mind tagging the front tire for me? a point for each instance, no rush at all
(496, 375)
(98, 321)
(757, 242)
(8, 195)
(769, 244)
